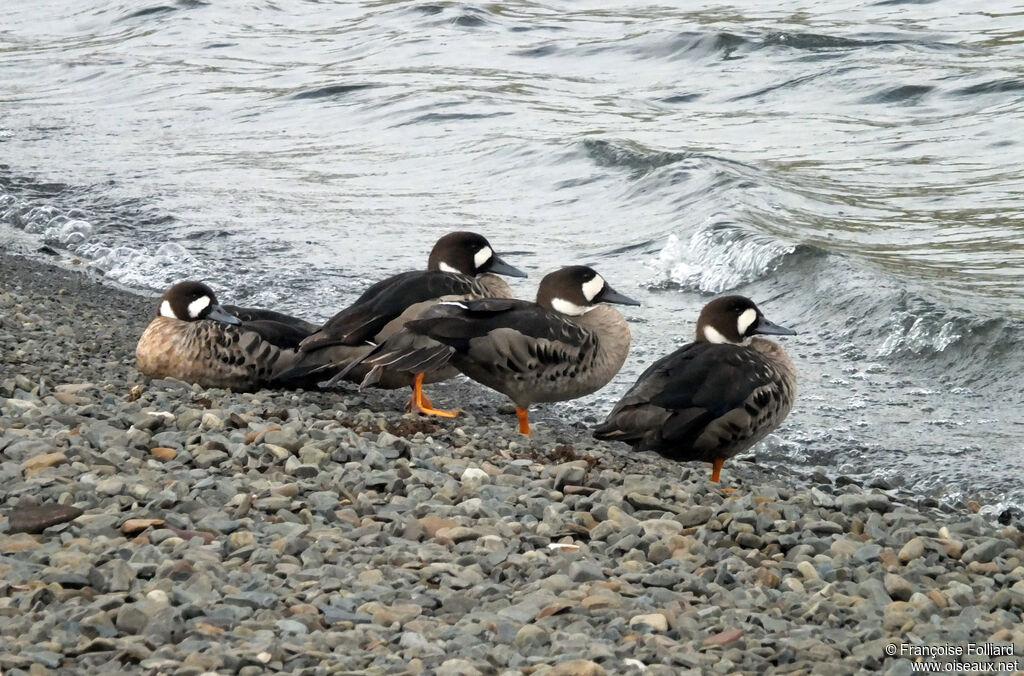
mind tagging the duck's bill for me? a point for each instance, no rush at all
(500, 267)
(768, 328)
(219, 314)
(610, 295)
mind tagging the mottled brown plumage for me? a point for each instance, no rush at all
(195, 340)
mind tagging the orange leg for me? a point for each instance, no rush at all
(409, 405)
(524, 420)
(716, 471)
(420, 404)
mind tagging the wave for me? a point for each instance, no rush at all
(71, 230)
(717, 258)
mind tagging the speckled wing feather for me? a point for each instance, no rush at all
(383, 302)
(521, 332)
(209, 353)
(700, 398)
(457, 324)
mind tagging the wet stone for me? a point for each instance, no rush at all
(694, 516)
(868, 553)
(130, 619)
(585, 571)
(985, 551)
(251, 599)
(823, 527)
(36, 519)
(103, 436)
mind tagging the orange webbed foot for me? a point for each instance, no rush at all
(419, 403)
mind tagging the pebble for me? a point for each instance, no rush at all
(656, 621)
(37, 518)
(577, 668)
(985, 551)
(912, 550)
(161, 527)
(35, 465)
(807, 569)
(585, 571)
(897, 587)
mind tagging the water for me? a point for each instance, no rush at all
(854, 167)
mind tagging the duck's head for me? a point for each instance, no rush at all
(735, 319)
(470, 254)
(576, 290)
(191, 301)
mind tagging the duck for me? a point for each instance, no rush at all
(461, 265)
(195, 339)
(712, 398)
(566, 344)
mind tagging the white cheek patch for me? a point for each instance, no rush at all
(712, 335)
(593, 287)
(196, 307)
(444, 267)
(166, 311)
(455, 303)
(567, 307)
(482, 256)
(746, 318)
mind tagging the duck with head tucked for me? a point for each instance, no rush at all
(565, 345)
(461, 265)
(713, 398)
(194, 339)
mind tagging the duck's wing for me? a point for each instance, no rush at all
(212, 354)
(284, 336)
(673, 403)
(250, 314)
(383, 302)
(466, 325)
(502, 333)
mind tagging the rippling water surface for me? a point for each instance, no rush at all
(854, 167)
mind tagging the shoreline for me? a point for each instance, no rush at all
(328, 532)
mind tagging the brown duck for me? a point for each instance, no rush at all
(195, 339)
(461, 265)
(713, 398)
(566, 345)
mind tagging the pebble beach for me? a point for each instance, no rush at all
(156, 527)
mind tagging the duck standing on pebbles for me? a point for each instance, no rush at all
(461, 265)
(713, 398)
(196, 340)
(565, 345)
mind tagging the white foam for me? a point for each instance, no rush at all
(917, 334)
(716, 258)
(73, 232)
(141, 268)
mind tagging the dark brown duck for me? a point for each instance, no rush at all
(461, 265)
(567, 344)
(713, 398)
